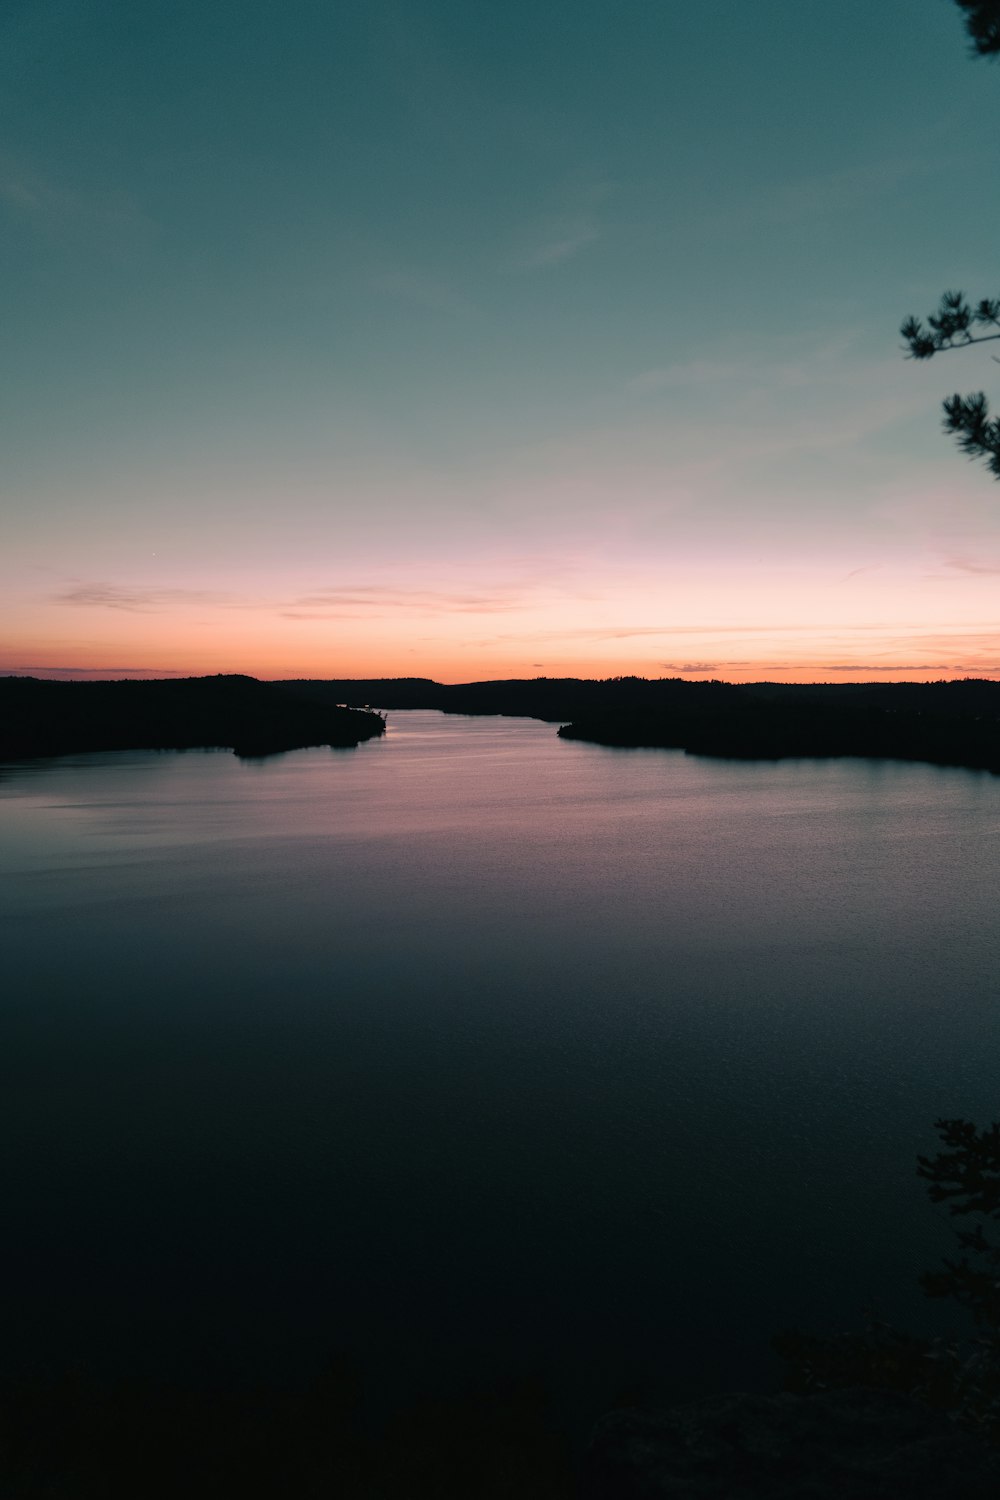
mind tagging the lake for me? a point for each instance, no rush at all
(475, 1052)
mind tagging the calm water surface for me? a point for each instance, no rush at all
(476, 1051)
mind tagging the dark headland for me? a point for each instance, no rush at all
(952, 723)
(42, 718)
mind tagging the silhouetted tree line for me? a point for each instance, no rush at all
(947, 723)
(550, 698)
(40, 718)
(955, 723)
(952, 723)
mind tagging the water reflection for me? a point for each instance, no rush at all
(479, 1050)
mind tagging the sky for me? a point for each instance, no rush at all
(428, 338)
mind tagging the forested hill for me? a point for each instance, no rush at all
(556, 699)
(40, 718)
(947, 723)
(944, 723)
(560, 699)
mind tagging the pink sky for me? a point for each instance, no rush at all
(456, 364)
(922, 617)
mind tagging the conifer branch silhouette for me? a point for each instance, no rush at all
(982, 25)
(957, 323)
(966, 418)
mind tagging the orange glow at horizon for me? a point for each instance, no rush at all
(805, 621)
(929, 660)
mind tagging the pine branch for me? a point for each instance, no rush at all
(968, 1170)
(951, 326)
(982, 24)
(976, 432)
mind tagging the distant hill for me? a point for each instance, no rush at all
(555, 699)
(946, 723)
(943, 723)
(40, 718)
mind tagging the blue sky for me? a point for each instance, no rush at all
(478, 341)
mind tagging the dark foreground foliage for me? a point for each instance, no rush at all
(957, 1375)
(852, 1444)
(78, 1439)
(982, 23)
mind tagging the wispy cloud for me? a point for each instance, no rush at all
(349, 601)
(18, 671)
(372, 599)
(894, 666)
(826, 193)
(783, 398)
(856, 572)
(811, 638)
(565, 238)
(561, 235)
(963, 565)
(692, 372)
(782, 363)
(812, 628)
(134, 600)
(422, 290)
(815, 195)
(28, 193)
(820, 670)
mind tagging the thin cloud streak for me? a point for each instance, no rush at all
(95, 671)
(812, 629)
(370, 596)
(423, 291)
(567, 240)
(135, 600)
(29, 194)
(989, 570)
(347, 602)
(812, 196)
(896, 666)
(561, 236)
(818, 669)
